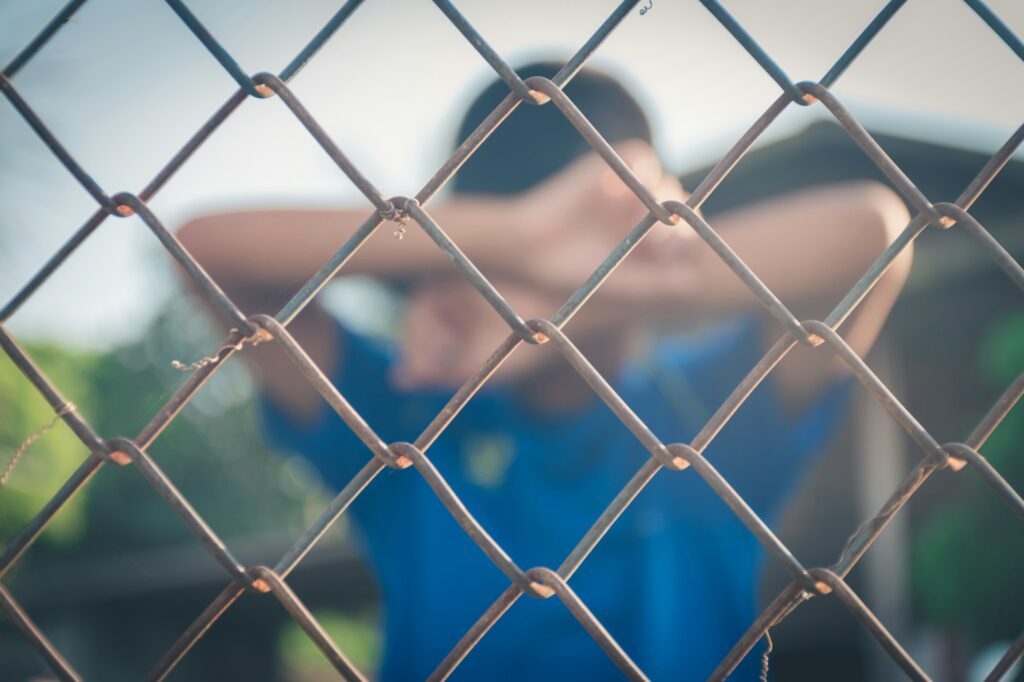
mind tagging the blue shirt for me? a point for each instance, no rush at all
(675, 579)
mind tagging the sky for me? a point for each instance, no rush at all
(125, 84)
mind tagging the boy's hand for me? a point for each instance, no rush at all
(450, 331)
(569, 225)
(575, 220)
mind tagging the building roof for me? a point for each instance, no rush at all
(823, 153)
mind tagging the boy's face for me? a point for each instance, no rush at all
(568, 226)
(450, 331)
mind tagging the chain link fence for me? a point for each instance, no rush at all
(538, 582)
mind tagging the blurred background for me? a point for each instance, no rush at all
(117, 576)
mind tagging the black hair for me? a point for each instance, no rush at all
(535, 142)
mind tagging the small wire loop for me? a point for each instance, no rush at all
(766, 655)
(65, 409)
(389, 212)
(537, 586)
(260, 336)
(400, 455)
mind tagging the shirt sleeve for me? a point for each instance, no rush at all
(327, 441)
(762, 451)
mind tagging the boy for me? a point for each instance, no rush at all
(535, 456)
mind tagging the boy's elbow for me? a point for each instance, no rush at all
(191, 235)
(887, 218)
(204, 238)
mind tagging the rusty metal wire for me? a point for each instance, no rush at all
(538, 582)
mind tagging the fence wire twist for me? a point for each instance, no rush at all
(538, 582)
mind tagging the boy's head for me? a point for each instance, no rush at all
(449, 328)
(536, 142)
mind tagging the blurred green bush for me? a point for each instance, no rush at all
(968, 556)
(213, 451)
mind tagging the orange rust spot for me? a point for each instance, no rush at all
(822, 587)
(809, 98)
(680, 463)
(539, 97)
(125, 210)
(540, 337)
(264, 90)
(947, 222)
(815, 340)
(956, 464)
(261, 585)
(121, 458)
(541, 590)
(677, 456)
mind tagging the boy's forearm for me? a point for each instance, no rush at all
(273, 248)
(808, 249)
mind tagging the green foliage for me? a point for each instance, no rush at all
(358, 636)
(213, 451)
(968, 555)
(47, 463)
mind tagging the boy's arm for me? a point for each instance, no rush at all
(809, 248)
(265, 255)
(272, 248)
(262, 257)
(583, 206)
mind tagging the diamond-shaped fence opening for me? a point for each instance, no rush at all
(538, 582)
